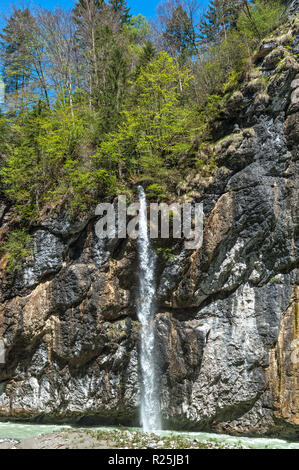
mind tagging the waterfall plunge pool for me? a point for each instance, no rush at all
(20, 431)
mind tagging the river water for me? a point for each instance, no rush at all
(19, 431)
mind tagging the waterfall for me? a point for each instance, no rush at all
(150, 406)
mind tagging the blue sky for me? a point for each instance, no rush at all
(137, 6)
(146, 8)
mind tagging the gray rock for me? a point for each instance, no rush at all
(47, 257)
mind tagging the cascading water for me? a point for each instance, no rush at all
(150, 405)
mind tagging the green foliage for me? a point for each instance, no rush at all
(207, 167)
(110, 94)
(92, 105)
(149, 138)
(156, 191)
(223, 64)
(179, 34)
(226, 62)
(44, 163)
(264, 15)
(4, 133)
(120, 7)
(166, 253)
(17, 64)
(18, 246)
(138, 29)
(146, 55)
(86, 185)
(213, 107)
(220, 16)
(232, 81)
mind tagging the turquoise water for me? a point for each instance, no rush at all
(250, 442)
(9, 430)
(23, 430)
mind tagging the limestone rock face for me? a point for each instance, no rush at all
(227, 322)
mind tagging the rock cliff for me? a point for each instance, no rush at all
(227, 323)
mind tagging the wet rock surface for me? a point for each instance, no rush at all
(227, 315)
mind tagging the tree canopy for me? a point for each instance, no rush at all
(96, 98)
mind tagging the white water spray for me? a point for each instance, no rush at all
(150, 406)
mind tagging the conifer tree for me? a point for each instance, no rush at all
(179, 34)
(17, 64)
(86, 5)
(148, 53)
(220, 16)
(120, 7)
